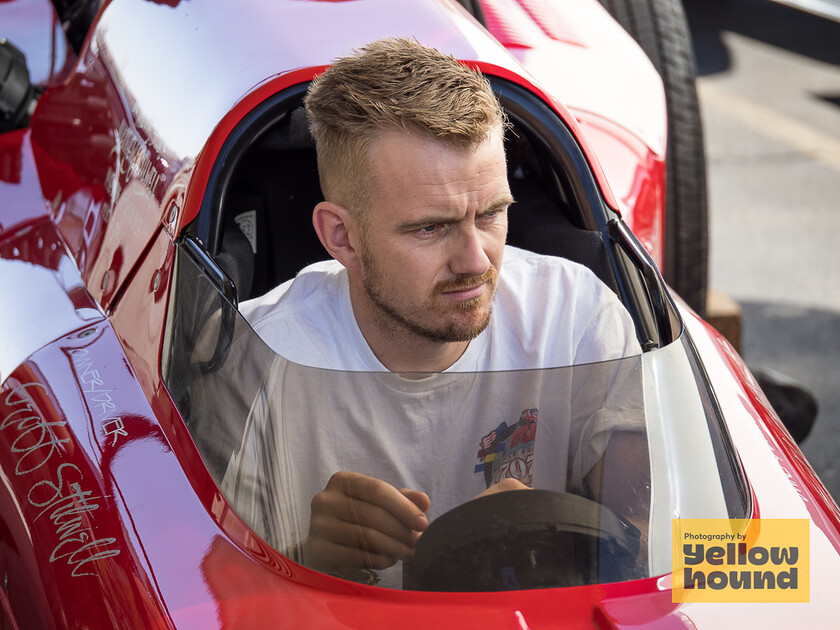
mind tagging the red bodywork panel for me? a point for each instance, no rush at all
(573, 51)
(115, 164)
(33, 27)
(107, 173)
(86, 417)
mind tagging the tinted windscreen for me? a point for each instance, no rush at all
(332, 468)
(276, 434)
(450, 436)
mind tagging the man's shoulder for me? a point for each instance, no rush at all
(559, 312)
(312, 285)
(293, 318)
(523, 266)
(535, 285)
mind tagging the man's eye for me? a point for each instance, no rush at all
(492, 215)
(429, 229)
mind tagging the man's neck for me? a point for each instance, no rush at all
(401, 350)
(405, 356)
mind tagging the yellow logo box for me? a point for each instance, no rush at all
(740, 560)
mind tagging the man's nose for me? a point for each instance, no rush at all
(470, 257)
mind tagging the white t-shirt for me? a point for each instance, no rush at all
(547, 312)
(329, 405)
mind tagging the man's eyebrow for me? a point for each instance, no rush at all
(429, 219)
(499, 204)
(444, 218)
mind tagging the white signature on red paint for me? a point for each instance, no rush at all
(97, 396)
(63, 499)
(35, 442)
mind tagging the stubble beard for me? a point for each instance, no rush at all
(452, 329)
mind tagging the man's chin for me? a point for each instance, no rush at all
(461, 331)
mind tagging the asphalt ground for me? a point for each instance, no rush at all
(769, 85)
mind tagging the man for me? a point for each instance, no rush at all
(412, 166)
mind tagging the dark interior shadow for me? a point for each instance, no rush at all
(762, 20)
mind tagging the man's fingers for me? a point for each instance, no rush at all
(379, 493)
(361, 537)
(359, 513)
(362, 522)
(326, 554)
(420, 499)
(504, 486)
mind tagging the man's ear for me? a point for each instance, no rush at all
(336, 230)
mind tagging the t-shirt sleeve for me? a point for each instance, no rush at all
(606, 397)
(257, 483)
(606, 329)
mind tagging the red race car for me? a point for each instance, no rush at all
(157, 171)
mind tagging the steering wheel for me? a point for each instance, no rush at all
(522, 540)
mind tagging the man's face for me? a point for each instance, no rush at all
(434, 238)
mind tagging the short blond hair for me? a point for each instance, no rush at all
(393, 85)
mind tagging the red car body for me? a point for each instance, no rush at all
(108, 516)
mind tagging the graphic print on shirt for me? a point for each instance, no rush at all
(508, 451)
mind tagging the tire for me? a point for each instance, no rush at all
(661, 29)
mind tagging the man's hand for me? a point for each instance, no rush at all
(503, 486)
(359, 522)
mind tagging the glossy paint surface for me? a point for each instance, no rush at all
(104, 177)
(64, 524)
(44, 300)
(107, 166)
(165, 536)
(578, 53)
(783, 485)
(34, 28)
(19, 185)
(637, 177)
(198, 88)
(108, 516)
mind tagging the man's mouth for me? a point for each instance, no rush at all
(467, 289)
(467, 293)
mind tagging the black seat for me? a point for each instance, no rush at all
(538, 224)
(276, 187)
(270, 203)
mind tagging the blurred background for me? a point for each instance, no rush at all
(769, 89)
